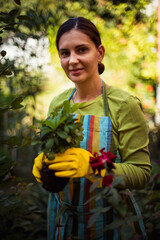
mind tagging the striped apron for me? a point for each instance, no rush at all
(73, 220)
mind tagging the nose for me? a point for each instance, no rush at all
(73, 58)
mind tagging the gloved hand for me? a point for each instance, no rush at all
(38, 166)
(73, 163)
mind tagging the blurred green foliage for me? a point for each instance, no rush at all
(129, 36)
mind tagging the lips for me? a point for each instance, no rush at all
(76, 71)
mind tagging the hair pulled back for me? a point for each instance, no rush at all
(87, 27)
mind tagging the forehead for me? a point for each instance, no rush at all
(73, 38)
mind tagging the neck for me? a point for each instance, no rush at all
(87, 91)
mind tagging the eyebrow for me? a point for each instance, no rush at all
(78, 46)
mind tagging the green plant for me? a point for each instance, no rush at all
(60, 131)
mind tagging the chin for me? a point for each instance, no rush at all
(77, 79)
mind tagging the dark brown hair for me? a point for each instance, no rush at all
(85, 26)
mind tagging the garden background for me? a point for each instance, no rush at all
(30, 76)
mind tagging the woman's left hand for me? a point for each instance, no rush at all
(74, 162)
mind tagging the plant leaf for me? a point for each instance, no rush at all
(66, 107)
(62, 134)
(49, 143)
(23, 17)
(44, 131)
(115, 224)
(93, 218)
(50, 124)
(118, 180)
(94, 186)
(16, 103)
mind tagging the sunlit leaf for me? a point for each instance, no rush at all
(50, 124)
(77, 106)
(18, 2)
(16, 103)
(66, 107)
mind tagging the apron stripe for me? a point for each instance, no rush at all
(96, 135)
(71, 189)
(90, 140)
(87, 207)
(105, 136)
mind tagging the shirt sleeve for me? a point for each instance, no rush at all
(133, 144)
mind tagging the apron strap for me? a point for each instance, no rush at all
(70, 96)
(105, 101)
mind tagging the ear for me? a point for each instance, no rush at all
(101, 52)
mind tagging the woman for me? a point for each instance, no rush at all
(112, 119)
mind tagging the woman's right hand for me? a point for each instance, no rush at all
(37, 166)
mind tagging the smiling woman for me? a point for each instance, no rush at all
(79, 58)
(112, 120)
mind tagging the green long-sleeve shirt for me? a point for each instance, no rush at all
(129, 131)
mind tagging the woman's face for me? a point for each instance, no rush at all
(79, 56)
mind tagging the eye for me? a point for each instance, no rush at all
(64, 53)
(82, 50)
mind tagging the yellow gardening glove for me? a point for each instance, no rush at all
(73, 163)
(38, 165)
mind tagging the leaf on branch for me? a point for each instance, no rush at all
(18, 2)
(23, 17)
(6, 73)
(118, 180)
(44, 131)
(26, 141)
(94, 186)
(15, 104)
(50, 124)
(62, 134)
(115, 224)
(93, 218)
(14, 12)
(49, 143)
(66, 107)
(77, 106)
